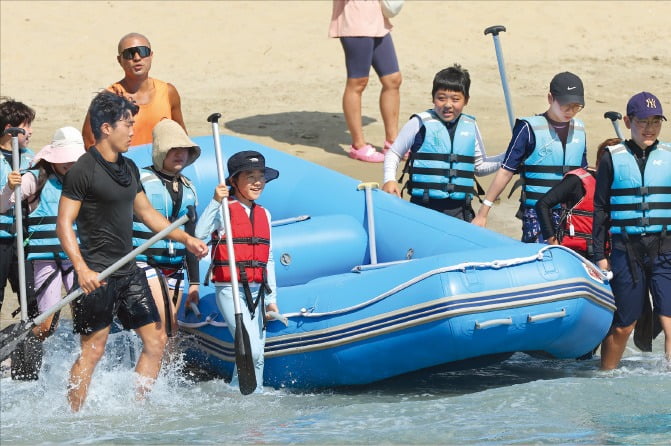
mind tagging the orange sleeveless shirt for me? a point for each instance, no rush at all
(149, 114)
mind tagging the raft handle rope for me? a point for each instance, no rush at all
(209, 320)
(494, 264)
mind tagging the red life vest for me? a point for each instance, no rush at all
(251, 244)
(580, 216)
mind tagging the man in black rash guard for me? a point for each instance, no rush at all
(101, 192)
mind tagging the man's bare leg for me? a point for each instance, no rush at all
(148, 365)
(93, 348)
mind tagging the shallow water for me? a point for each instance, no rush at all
(522, 400)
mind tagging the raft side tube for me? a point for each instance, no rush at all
(321, 246)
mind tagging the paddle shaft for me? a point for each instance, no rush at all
(18, 222)
(113, 267)
(226, 214)
(494, 31)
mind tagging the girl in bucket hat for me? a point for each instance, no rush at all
(173, 195)
(250, 227)
(48, 269)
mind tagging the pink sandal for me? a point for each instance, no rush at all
(366, 153)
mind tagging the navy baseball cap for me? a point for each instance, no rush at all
(250, 160)
(567, 88)
(644, 104)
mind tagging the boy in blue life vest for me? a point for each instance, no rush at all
(12, 114)
(445, 150)
(543, 148)
(252, 245)
(633, 200)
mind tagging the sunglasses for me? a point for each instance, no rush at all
(143, 51)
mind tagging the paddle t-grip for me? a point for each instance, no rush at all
(214, 117)
(495, 30)
(14, 132)
(614, 117)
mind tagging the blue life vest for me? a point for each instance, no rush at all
(164, 252)
(42, 240)
(7, 229)
(441, 168)
(640, 203)
(549, 162)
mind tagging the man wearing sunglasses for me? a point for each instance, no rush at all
(157, 99)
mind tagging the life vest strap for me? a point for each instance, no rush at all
(643, 190)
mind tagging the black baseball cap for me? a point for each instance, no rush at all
(567, 88)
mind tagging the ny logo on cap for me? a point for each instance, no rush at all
(650, 103)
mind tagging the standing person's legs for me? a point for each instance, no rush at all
(385, 64)
(629, 300)
(50, 295)
(358, 60)
(254, 328)
(93, 347)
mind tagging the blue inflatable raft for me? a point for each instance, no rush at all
(415, 290)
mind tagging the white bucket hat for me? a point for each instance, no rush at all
(167, 135)
(66, 147)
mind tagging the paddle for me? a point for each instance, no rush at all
(243, 350)
(494, 31)
(18, 220)
(614, 117)
(12, 335)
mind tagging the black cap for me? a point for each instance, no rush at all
(567, 88)
(250, 160)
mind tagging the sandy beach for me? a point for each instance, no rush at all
(277, 79)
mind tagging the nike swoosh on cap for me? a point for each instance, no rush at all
(571, 88)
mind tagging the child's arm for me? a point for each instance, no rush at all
(401, 146)
(485, 165)
(28, 184)
(211, 220)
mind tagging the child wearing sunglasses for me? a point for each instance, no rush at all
(157, 99)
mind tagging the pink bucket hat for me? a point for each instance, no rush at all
(66, 147)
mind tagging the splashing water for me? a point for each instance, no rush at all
(522, 400)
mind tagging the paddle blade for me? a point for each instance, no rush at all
(647, 328)
(243, 358)
(11, 336)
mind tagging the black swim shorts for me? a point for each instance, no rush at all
(128, 297)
